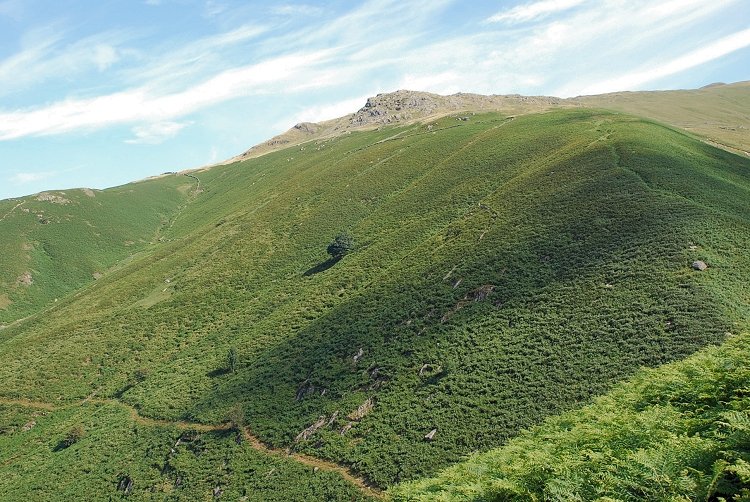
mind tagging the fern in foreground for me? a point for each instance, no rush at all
(679, 432)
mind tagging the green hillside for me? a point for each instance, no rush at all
(505, 270)
(680, 432)
(55, 242)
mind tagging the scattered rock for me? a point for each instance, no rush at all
(346, 428)
(479, 294)
(363, 409)
(125, 485)
(430, 435)
(29, 425)
(312, 429)
(699, 265)
(25, 279)
(55, 199)
(306, 388)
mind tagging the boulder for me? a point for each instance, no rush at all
(699, 265)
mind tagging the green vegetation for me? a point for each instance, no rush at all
(680, 432)
(507, 270)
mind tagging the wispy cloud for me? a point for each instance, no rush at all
(532, 11)
(139, 104)
(156, 133)
(709, 52)
(296, 10)
(30, 177)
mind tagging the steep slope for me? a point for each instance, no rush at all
(55, 242)
(506, 270)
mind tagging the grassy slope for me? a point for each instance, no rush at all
(62, 238)
(680, 432)
(719, 113)
(584, 223)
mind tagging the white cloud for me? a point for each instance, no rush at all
(30, 177)
(158, 132)
(535, 10)
(635, 80)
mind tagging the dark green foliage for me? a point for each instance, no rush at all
(341, 245)
(72, 436)
(681, 432)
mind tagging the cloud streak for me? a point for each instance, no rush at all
(532, 11)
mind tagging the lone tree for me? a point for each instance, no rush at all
(74, 435)
(341, 245)
(232, 358)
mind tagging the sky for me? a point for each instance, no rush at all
(100, 93)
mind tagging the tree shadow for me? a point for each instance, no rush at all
(322, 267)
(217, 372)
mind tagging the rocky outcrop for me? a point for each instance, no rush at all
(401, 107)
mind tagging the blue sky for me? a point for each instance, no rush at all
(99, 93)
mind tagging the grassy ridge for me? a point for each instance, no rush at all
(680, 432)
(506, 270)
(56, 242)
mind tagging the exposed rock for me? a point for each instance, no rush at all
(125, 485)
(97, 275)
(55, 199)
(217, 492)
(359, 355)
(89, 192)
(346, 428)
(362, 411)
(699, 265)
(25, 279)
(306, 388)
(312, 429)
(430, 435)
(402, 107)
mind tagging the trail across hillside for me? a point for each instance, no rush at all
(247, 434)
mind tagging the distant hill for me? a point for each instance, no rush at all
(505, 269)
(719, 112)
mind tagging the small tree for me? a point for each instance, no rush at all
(236, 417)
(232, 358)
(73, 436)
(341, 245)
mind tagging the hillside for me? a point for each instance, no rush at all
(56, 242)
(506, 269)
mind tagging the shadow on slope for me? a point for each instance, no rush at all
(582, 277)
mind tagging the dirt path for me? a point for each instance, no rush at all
(11, 211)
(247, 434)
